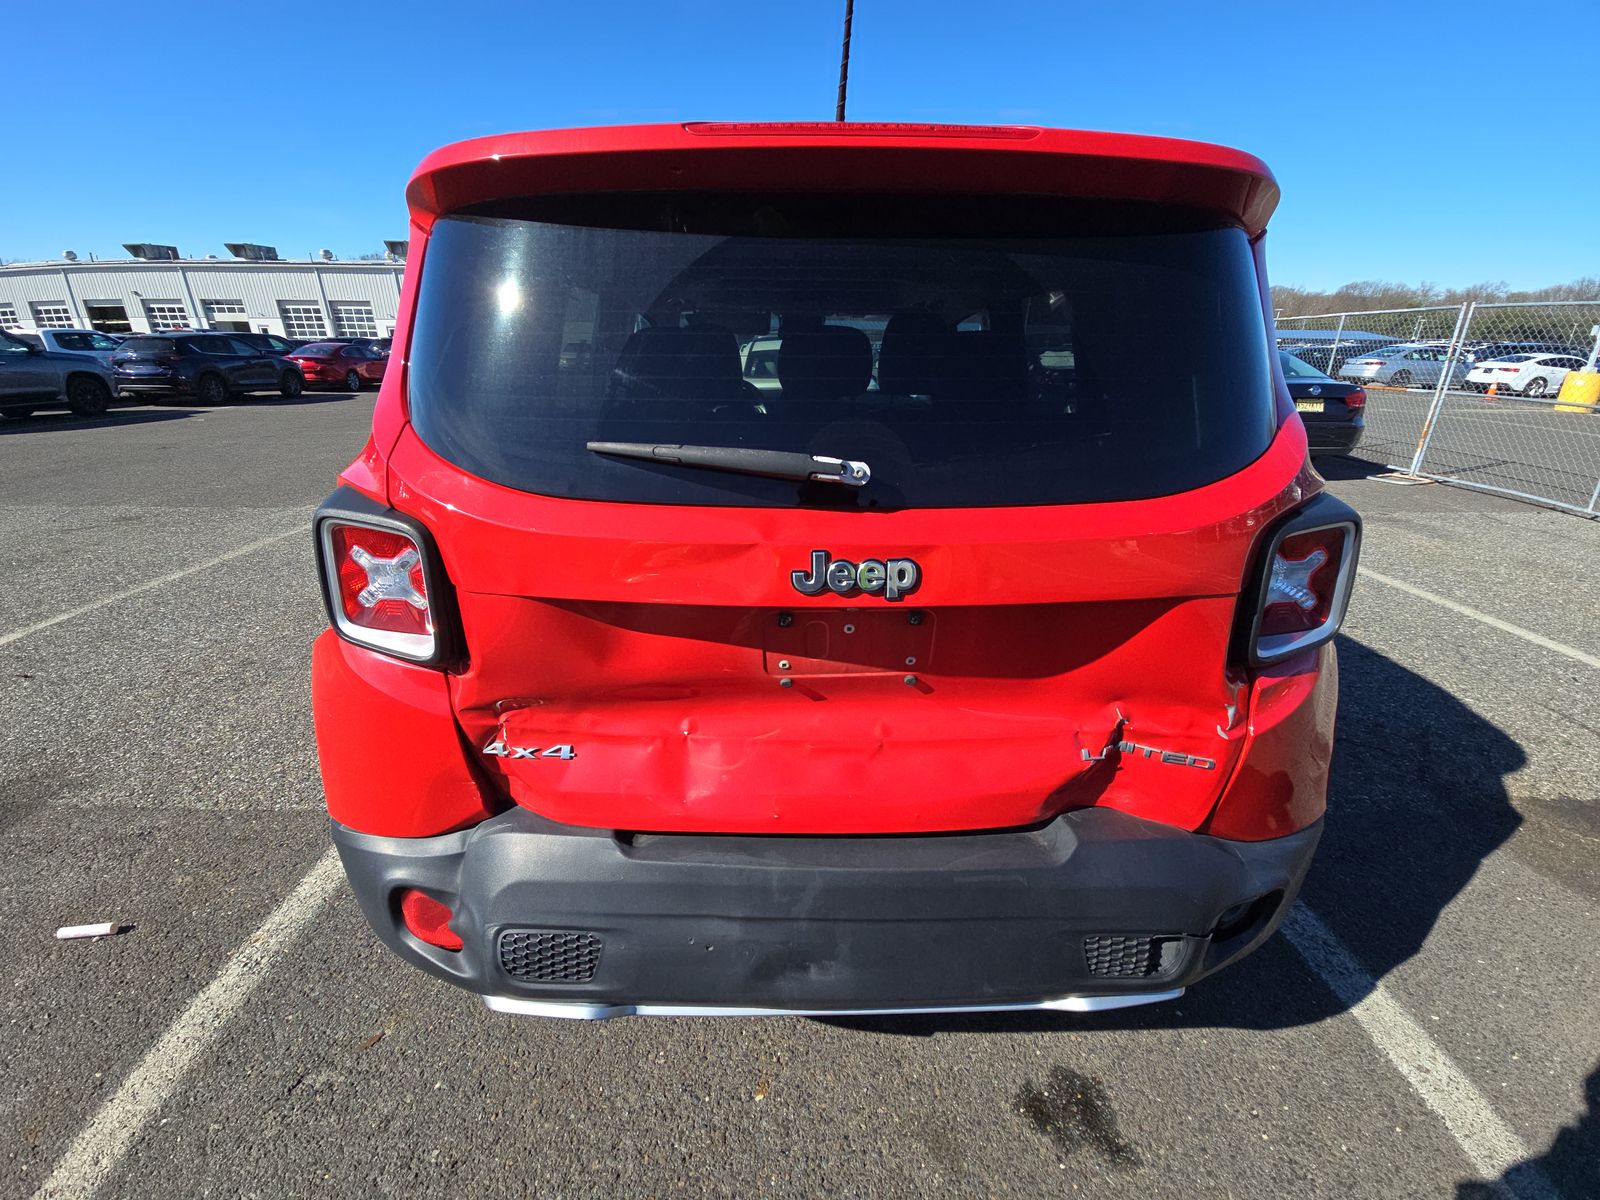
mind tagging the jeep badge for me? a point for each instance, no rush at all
(893, 577)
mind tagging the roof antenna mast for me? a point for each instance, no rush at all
(844, 60)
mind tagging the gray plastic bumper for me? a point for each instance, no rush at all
(1094, 909)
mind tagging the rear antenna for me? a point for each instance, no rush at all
(844, 59)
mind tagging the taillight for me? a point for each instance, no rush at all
(1308, 572)
(1356, 399)
(378, 582)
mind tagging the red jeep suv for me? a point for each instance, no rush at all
(981, 660)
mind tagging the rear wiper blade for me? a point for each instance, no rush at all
(775, 464)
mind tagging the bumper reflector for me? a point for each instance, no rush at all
(428, 919)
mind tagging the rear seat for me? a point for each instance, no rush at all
(817, 366)
(678, 364)
(911, 356)
(921, 356)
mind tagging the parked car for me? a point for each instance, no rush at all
(268, 343)
(758, 362)
(705, 673)
(380, 345)
(1334, 412)
(1473, 353)
(1529, 374)
(1316, 355)
(32, 378)
(207, 366)
(347, 365)
(1328, 355)
(1410, 364)
(90, 342)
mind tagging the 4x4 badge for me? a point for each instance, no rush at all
(499, 749)
(894, 577)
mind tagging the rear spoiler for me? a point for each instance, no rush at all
(846, 157)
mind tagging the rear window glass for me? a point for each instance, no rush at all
(147, 345)
(1295, 369)
(319, 350)
(1000, 352)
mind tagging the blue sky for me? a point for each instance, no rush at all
(1412, 141)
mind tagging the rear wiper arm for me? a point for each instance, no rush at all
(775, 464)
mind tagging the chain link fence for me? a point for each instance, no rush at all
(1339, 341)
(1473, 394)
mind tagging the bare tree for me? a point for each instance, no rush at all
(1371, 294)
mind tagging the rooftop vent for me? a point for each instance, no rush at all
(70, 255)
(397, 249)
(150, 251)
(325, 255)
(252, 252)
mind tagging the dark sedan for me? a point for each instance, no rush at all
(1334, 411)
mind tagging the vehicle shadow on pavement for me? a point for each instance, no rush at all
(1572, 1164)
(1417, 800)
(115, 419)
(1343, 467)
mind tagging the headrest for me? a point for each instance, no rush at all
(921, 357)
(913, 342)
(824, 364)
(678, 364)
(987, 366)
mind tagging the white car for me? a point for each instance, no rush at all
(759, 360)
(1529, 374)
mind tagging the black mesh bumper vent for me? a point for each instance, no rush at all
(549, 955)
(1119, 957)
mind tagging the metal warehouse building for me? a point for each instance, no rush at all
(253, 292)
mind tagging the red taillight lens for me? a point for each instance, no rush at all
(1307, 586)
(428, 919)
(1356, 399)
(1300, 581)
(379, 588)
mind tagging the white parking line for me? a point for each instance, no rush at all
(102, 1143)
(1526, 635)
(1500, 423)
(16, 635)
(1489, 1143)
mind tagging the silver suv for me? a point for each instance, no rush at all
(89, 342)
(31, 378)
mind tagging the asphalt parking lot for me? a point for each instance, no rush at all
(1508, 443)
(1428, 1024)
